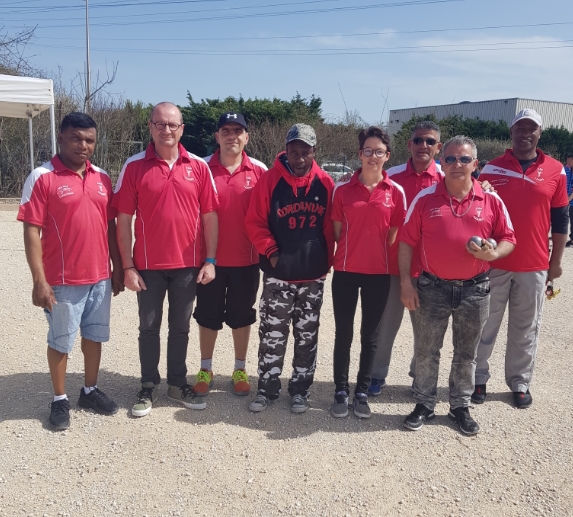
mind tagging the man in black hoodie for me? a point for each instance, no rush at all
(289, 223)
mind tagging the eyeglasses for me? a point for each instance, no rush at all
(379, 153)
(162, 125)
(462, 159)
(429, 141)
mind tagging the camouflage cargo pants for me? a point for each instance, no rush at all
(281, 303)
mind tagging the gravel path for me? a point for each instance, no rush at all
(227, 461)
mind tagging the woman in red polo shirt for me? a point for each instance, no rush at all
(367, 211)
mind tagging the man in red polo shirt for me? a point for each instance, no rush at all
(69, 236)
(173, 194)
(231, 296)
(533, 186)
(454, 280)
(419, 172)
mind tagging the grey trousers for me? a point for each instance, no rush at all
(469, 307)
(388, 329)
(180, 286)
(524, 294)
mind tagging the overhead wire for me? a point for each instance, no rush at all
(402, 3)
(341, 51)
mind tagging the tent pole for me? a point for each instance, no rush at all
(53, 130)
(31, 142)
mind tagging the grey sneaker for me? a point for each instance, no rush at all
(298, 404)
(340, 407)
(145, 399)
(260, 403)
(360, 406)
(186, 396)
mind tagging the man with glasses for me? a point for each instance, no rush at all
(419, 172)
(454, 281)
(231, 296)
(533, 186)
(174, 196)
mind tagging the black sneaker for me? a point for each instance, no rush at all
(522, 400)
(569, 244)
(360, 406)
(416, 419)
(479, 394)
(98, 401)
(464, 420)
(60, 415)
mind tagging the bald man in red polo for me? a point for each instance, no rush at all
(454, 280)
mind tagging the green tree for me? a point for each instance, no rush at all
(557, 141)
(201, 118)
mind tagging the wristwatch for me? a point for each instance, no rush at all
(211, 261)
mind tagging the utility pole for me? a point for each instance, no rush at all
(88, 68)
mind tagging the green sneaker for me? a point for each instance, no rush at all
(145, 399)
(203, 382)
(241, 385)
(185, 395)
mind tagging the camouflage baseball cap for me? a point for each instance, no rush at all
(302, 132)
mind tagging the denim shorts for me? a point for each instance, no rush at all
(86, 307)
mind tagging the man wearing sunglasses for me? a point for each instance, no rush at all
(419, 172)
(174, 196)
(454, 280)
(533, 186)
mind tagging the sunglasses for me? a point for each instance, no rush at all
(462, 159)
(429, 141)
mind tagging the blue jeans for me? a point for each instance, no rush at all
(468, 305)
(86, 307)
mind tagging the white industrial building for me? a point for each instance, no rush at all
(554, 114)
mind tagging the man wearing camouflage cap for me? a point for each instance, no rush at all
(289, 223)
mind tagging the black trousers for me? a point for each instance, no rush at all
(373, 290)
(180, 286)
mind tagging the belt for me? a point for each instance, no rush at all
(482, 277)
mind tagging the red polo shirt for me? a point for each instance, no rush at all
(73, 212)
(431, 223)
(234, 191)
(412, 183)
(169, 204)
(529, 198)
(366, 219)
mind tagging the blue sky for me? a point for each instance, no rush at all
(363, 56)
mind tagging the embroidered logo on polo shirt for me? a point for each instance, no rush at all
(64, 191)
(189, 170)
(478, 216)
(435, 212)
(248, 183)
(388, 198)
(100, 190)
(539, 173)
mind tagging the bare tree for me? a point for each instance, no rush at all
(12, 48)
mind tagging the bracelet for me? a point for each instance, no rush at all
(126, 268)
(209, 260)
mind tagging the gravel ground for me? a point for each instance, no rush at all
(227, 461)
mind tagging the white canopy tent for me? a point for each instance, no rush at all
(26, 97)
